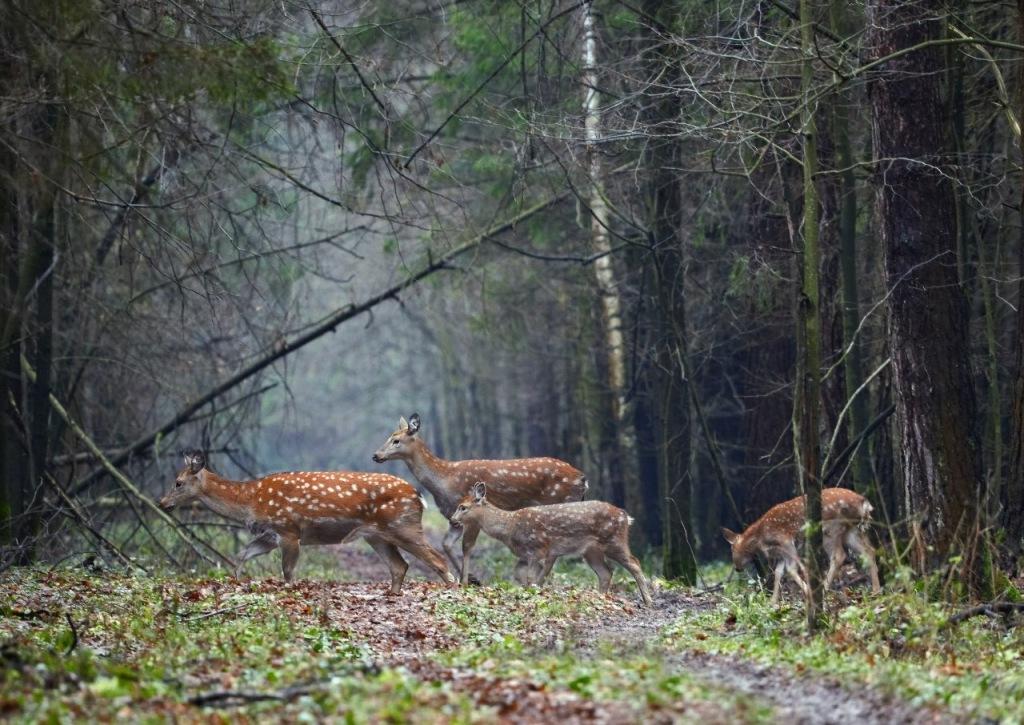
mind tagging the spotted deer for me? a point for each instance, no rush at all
(512, 483)
(844, 515)
(539, 535)
(294, 509)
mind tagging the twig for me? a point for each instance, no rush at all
(74, 634)
(215, 612)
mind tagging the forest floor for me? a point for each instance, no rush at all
(76, 643)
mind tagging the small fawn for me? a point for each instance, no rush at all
(314, 508)
(512, 484)
(843, 514)
(538, 535)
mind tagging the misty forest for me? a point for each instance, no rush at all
(676, 350)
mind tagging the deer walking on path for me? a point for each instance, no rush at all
(539, 535)
(289, 510)
(844, 513)
(511, 484)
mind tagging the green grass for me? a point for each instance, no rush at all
(896, 642)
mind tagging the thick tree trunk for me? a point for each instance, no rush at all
(936, 412)
(1013, 502)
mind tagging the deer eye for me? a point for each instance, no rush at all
(177, 483)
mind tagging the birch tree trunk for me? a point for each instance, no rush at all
(617, 434)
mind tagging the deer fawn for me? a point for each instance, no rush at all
(843, 513)
(538, 535)
(311, 508)
(512, 484)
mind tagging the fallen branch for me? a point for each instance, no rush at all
(214, 613)
(991, 609)
(241, 696)
(329, 324)
(123, 480)
(83, 521)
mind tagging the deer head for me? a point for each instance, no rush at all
(474, 499)
(741, 555)
(189, 482)
(399, 445)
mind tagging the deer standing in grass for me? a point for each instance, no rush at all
(843, 514)
(511, 484)
(289, 510)
(539, 535)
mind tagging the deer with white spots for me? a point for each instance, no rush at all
(512, 483)
(844, 515)
(539, 535)
(289, 510)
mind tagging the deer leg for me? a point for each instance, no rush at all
(624, 557)
(522, 572)
(545, 568)
(594, 556)
(859, 544)
(393, 558)
(448, 544)
(468, 542)
(413, 541)
(836, 557)
(780, 570)
(289, 556)
(266, 541)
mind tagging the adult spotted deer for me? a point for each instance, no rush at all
(538, 535)
(512, 483)
(844, 513)
(289, 510)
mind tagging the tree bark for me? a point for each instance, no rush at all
(617, 436)
(807, 403)
(673, 434)
(936, 411)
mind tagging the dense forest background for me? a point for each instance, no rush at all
(712, 253)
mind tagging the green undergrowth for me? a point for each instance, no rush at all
(100, 648)
(899, 642)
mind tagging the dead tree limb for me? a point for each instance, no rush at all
(125, 483)
(328, 325)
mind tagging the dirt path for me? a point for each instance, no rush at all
(797, 698)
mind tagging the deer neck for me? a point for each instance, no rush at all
(433, 473)
(496, 523)
(232, 499)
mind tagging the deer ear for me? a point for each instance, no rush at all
(479, 490)
(414, 423)
(403, 424)
(729, 535)
(195, 460)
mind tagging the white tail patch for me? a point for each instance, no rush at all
(629, 520)
(424, 502)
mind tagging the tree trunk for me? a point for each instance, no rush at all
(617, 436)
(807, 403)
(933, 388)
(853, 361)
(662, 156)
(1013, 499)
